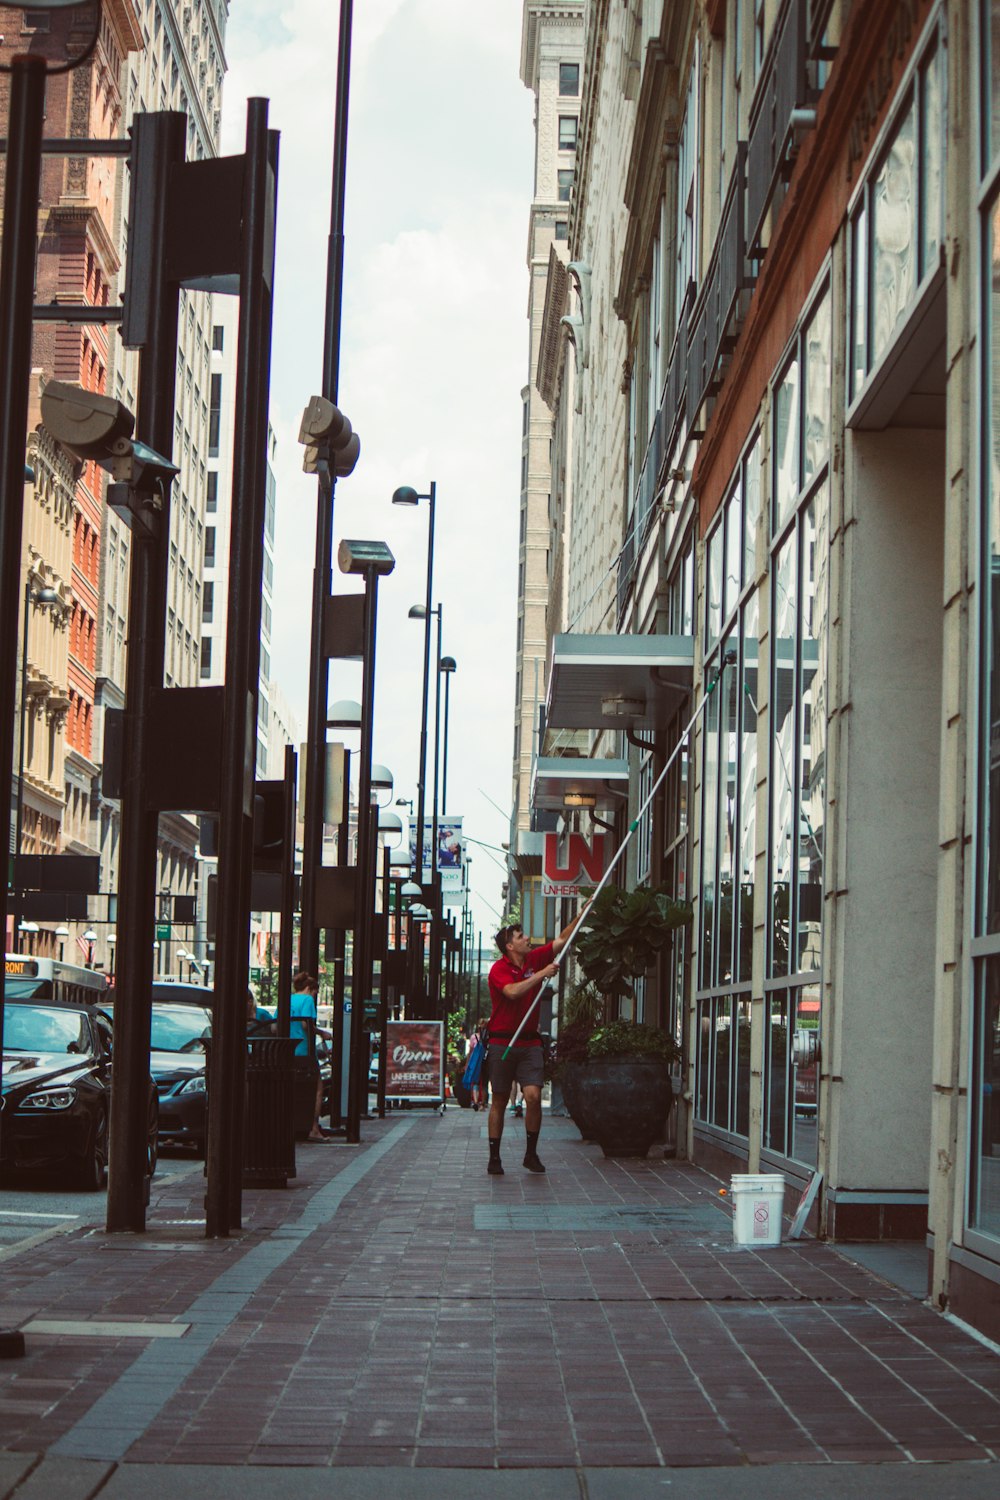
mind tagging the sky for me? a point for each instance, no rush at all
(434, 355)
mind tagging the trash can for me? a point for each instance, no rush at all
(757, 1205)
(268, 1127)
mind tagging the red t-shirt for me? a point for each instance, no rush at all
(506, 1015)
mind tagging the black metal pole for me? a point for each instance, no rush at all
(340, 964)
(365, 887)
(17, 286)
(437, 913)
(287, 914)
(223, 1198)
(418, 867)
(312, 842)
(444, 745)
(158, 143)
(383, 987)
(18, 904)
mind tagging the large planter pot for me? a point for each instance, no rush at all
(569, 1078)
(625, 1102)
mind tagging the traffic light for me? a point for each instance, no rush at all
(328, 439)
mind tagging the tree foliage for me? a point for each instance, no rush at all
(625, 933)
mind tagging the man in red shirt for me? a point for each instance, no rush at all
(515, 979)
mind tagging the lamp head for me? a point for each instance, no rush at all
(45, 596)
(365, 557)
(62, 932)
(417, 612)
(447, 664)
(405, 495)
(90, 936)
(344, 714)
(381, 779)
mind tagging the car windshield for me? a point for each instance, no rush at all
(179, 1028)
(44, 1028)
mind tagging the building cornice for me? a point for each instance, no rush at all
(71, 214)
(570, 13)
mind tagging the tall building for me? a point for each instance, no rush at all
(790, 214)
(551, 67)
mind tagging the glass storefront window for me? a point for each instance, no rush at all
(775, 1124)
(812, 744)
(745, 865)
(805, 1074)
(783, 696)
(990, 751)
(751, 517)
(702, 1086)
(990, 32)
(786, 445)
(859, 300)
(932, 159)
(734, 549)
(816, 417)
(894, 213)
(984, 1194)
(714, 615)
(728, 693)
(723, 1062)
(741, 1110)
(709, 831)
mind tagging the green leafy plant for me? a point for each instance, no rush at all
(632, 1039)
(625, 933)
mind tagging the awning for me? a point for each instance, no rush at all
(567, 781)
(618, 681)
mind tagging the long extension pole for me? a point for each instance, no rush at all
(548, 988)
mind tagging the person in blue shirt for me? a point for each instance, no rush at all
(304, 1030)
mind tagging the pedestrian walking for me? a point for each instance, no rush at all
(303, 1029)
(514, 981)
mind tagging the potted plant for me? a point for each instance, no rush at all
(620, 1091)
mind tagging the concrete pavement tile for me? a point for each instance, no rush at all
(62, 1479)
(13, 1466)
(887, 1481)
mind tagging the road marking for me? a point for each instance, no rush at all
(88, 1329)
(23, 1213)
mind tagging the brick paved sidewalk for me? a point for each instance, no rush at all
(397, 1307)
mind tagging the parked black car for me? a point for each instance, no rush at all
(57, 1091)
(179, 1038)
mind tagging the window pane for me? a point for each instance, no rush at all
(816, 446)
(894, 266)
(751, 512)
(569, 80)
(709, 828)
(932, 195)
(748, 792)
(723, 1062)
(859, 300)
(990, 750)
(805, 1073)
(567, 132)
(984, 1198)
(786, 446)
(565, 179)
(734, 551)
(783, 753)
(714, 619)
(741, 1109)
(812, 749)
(728, 695)
(703, 1097)
(991, 61)
(775, 1134)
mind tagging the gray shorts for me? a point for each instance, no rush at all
(524, 1065)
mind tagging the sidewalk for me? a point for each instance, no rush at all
(397, 1308)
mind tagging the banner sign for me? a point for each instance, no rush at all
(414, 1067)
(450, 854)
(569, 863)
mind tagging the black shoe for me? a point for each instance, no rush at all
(532, 1162)
(495, 1167)
(519, 1112)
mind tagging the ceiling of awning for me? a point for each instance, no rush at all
(618, 681)
(558, 776)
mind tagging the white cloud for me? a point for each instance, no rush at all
(434, 348)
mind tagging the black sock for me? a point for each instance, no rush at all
(532, 1136)
(494, 1149)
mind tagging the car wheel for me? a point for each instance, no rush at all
(152, 1138)
(90, 1173)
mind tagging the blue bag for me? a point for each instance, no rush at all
(477, 1058)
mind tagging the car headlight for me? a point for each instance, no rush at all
(50, 1099)
(195, 1085)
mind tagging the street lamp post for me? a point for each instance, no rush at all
(90, 938)
(407, 496)
(372, 561)
(446, 665)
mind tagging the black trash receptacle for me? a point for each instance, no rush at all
(268, 1127)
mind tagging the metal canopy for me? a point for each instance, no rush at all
(618, 681)
(557, 776)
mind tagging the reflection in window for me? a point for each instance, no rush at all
(792, 1059)
(783, 752)
(728, 695)
(723, 1062)
(715, 546)
(990, 32)
(751, 489)
(748, 794)
(932, 198)
(984, 1198)
(775, 1125)
(990, 814)
(786, 445)
(812, 746)
(894, 211)
(859, 300)
(816, 423)
(734, 548)
(710, 783)
(741, 1103)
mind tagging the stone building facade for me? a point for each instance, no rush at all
(798, 470)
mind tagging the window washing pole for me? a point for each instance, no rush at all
(548, 988)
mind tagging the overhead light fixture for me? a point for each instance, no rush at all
(617, 706)
(365, 557)
(579, 799)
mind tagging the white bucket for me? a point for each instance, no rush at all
(757, 1205)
